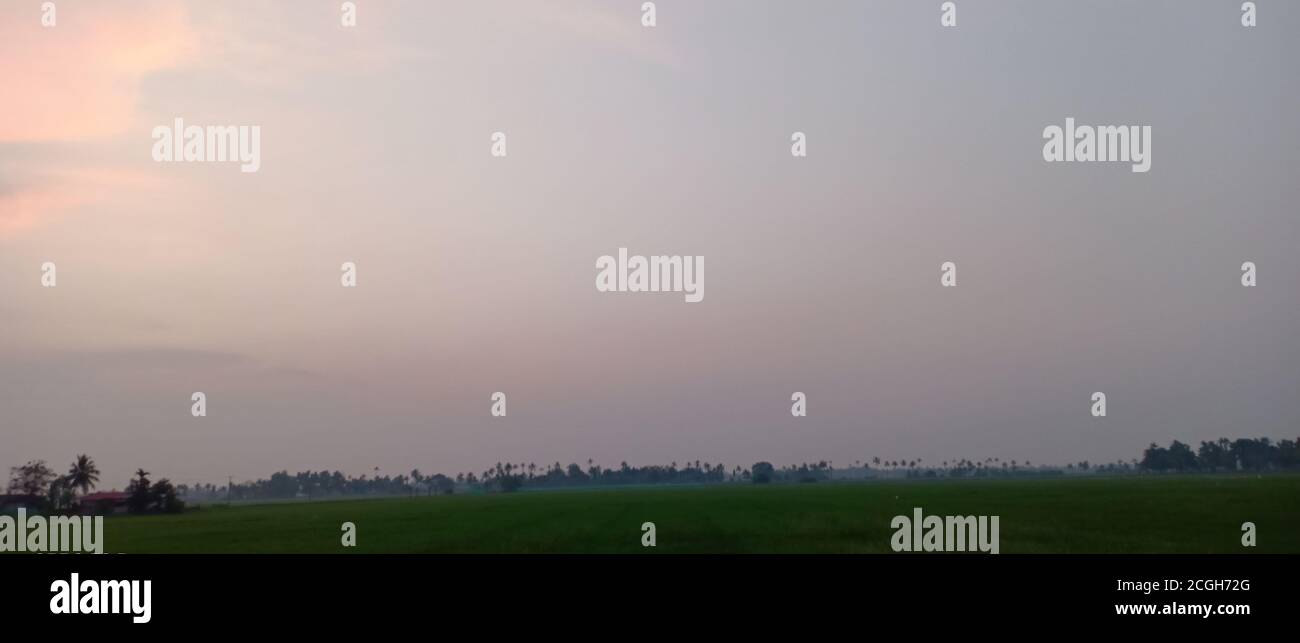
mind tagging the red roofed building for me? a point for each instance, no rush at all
(103, 503)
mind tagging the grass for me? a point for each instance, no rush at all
(1173, 514)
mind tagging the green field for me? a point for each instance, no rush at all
(1184, 514)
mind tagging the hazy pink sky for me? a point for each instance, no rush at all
(477, 274)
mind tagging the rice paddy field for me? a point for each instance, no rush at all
(1094, 514)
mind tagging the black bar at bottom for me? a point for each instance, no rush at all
(323, 591)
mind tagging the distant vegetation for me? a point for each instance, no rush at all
(1218, 456)
(1223, 455)
(35, 483)
(60, 492)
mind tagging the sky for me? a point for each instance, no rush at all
(476, 274)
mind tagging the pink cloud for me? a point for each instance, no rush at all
(60, 190)
(76, 82)
(80, 79)
(19, 210)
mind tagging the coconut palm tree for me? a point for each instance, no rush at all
(139, 491)
(83, 475)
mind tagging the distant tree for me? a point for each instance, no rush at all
(33, 478)
(575, 473)
(439, 483)
(1216, 455)
(1254, 455)
(83, 475)
(61, 498)
(763, 472)
(164, 498)
(139, 493)
(282, 485)
(1181, 456)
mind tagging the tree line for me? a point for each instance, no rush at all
(503, 477)
(60, 492)
(1243, 454)
(1218, 456)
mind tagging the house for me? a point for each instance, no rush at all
(102, 503)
